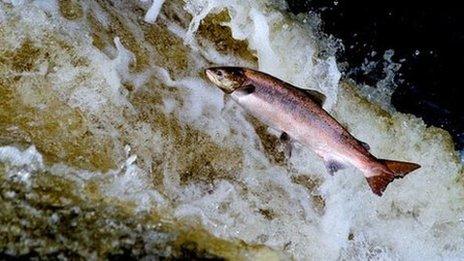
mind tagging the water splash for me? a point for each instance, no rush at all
(102, 79)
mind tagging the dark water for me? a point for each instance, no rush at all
(429, 38)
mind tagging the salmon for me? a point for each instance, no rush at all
(299, 116)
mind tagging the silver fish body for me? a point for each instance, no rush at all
(298, 114)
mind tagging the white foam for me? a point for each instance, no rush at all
(152, 13)
(15, 157)
(350, 206)
(27, 162)
(419, 217)
(134, 185)
(259, 41)
(15, 2)
(169, 105)
(2, 13)
(123, 59)
(100, 14)
(130, 182)
(202, 106)
(49, 6)
(383, 90)
(87, 99)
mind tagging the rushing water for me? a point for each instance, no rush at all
(107, 112)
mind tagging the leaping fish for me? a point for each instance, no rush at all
(299, 115)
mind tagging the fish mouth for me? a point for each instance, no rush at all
(210, 74)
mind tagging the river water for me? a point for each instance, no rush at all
(114, 144)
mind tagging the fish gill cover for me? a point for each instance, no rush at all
(115, 144)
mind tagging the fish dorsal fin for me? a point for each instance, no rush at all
(316, 96)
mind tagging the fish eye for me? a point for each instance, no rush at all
(219, 73)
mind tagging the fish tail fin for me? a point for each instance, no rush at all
(381, 178)
(400, 168)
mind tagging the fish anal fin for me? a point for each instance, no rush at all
(316, 96)
(284, 137)
(333, 166)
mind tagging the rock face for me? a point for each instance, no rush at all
(114, 145)
(54, 217)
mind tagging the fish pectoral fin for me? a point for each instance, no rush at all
(284, 137)
(316, 96)
(333, 166)
(247, 89)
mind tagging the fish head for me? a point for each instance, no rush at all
(228, 79)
